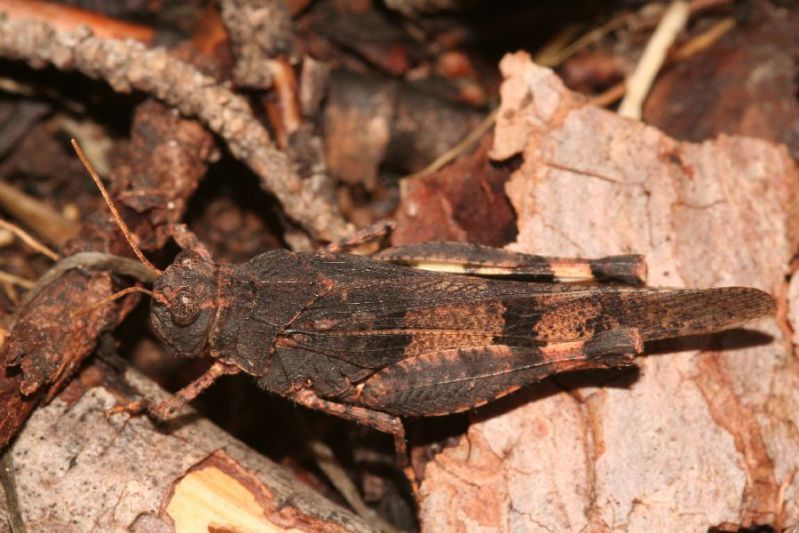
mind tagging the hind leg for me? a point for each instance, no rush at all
(477, 260)
(455, 380)
(375, 419)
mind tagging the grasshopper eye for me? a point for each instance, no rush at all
(184, 307)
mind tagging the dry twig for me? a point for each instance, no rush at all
(129, 65)
(29, 239)
(37, 215)
(7, 277)
(698, 44)
(639, 83)
(450, 155)
(326, 461)
(559, 56)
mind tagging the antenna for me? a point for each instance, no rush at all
(114, 211)
(115, 296)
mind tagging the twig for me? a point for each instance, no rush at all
(548, 54)
(704, 40)
(609, 95)
(448, 156)
(29, 239)
(286, 118)
(37, 215)
(327, 463)
(128, 65)
(640, 82)
(585, 40)
(16, 280)
(66, 17)
(698, 44)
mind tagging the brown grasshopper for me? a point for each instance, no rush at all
(375, 339)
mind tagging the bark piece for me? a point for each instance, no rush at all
(369, 123)
(52, 333)
(16, 118)
(16, 407)
(357, 127)
(362, 35)
(259, 31)
(744, 84)
(464, 202)
(120, 473)
(45, 345)
(695, 438)
(48, 343)
(159, 171)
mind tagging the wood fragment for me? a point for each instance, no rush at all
(371, 123)
(153, 178)
(464, 201)
(44, 344)
(260, 31)
(99, 470)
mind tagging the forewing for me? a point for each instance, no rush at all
(393, 313)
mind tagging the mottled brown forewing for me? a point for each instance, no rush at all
(406, 326)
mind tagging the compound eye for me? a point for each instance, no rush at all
(184, 308)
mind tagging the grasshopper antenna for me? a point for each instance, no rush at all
(116, 296)
(114, 211)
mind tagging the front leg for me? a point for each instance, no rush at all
(174, 402)
(477, 260)
(375, 419)
(168, 407)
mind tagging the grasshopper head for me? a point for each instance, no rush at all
(184, 304)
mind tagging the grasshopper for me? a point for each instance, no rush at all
(422, 330)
